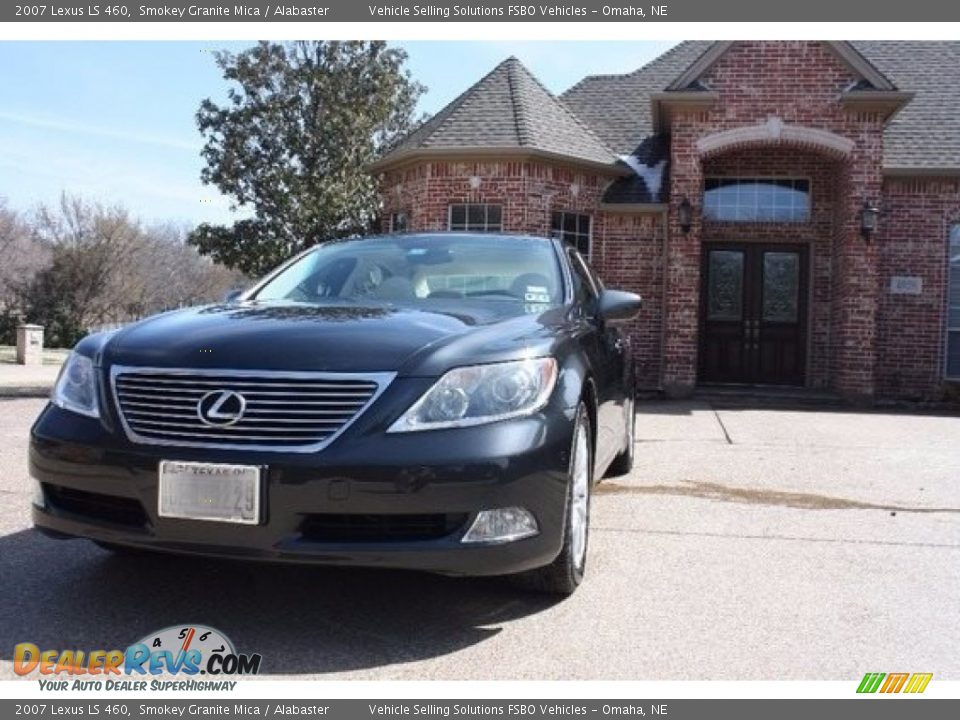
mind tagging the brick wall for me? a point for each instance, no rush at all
(912, 241)
(798, 83)
(628, 254)
(528, 192)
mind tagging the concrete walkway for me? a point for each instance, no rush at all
(747, 544)
(27, 380)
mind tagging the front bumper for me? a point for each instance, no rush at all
(402, 500)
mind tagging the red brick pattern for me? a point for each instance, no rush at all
(916, 218)
(528, 191)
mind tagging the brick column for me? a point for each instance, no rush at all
(682, 274)
(856, 283)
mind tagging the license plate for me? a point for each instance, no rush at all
(209, 491)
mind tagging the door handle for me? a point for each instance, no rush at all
(751, 334)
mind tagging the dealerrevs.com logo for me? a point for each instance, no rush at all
(911, 683)
(177, 650)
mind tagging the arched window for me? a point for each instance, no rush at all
(736, 199)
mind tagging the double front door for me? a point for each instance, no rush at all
(753, 313)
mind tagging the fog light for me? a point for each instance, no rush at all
(37, 497)
(502, 525)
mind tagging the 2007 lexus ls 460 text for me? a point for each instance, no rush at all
(442, 402)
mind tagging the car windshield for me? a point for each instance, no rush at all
(423, 268)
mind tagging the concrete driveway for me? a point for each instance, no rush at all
(747, 544)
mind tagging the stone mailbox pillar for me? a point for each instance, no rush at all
(30, 344)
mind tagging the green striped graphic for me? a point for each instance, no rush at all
(870, 682)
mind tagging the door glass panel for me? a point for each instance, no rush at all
(781, 286)
(725, 285)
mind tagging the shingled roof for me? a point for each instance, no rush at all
(508, 109)
(617, 107)
(925, 135)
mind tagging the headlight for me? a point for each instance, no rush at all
(76, 387)
(481, 394)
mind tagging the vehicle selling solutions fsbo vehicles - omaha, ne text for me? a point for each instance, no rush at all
(438, 401)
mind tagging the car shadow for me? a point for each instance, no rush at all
(301, 619)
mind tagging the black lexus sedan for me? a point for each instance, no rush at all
(440, 402)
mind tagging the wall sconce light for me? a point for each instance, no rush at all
(868, 220)
(475, 182)
(685, 215)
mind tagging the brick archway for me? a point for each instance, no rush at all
(772, 133)
(843, 268)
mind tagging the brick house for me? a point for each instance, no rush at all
(790, 211)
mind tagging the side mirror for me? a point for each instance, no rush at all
(232, 295)
(617, 306)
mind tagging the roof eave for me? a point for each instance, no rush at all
(408, 157)
(700, 65)
(887, 102)
(662, 103)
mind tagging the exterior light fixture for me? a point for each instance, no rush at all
(868, 220)
(685, 215)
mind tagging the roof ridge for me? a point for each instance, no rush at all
(520, 120)
(647, 65)
(672, 51)
(450, 109)
(562, 106)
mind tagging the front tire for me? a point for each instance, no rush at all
(565, 573)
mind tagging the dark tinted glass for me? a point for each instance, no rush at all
(405, 268)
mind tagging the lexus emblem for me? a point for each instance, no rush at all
(221, 408)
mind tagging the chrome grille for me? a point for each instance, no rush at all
(284, 411)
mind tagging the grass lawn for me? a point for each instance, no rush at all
(51, 356)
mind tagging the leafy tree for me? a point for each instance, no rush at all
(292, 143)
(103, 267)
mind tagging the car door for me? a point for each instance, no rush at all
(608, 350)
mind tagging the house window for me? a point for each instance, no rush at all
(728, 199)
(476, 217)
(398, 222)
(573, 229)
(953, 307)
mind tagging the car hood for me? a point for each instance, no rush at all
(335, 338)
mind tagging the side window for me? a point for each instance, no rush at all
(475, 217)
(398, 222)
(573, 229)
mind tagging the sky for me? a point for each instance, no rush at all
(114, 121)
